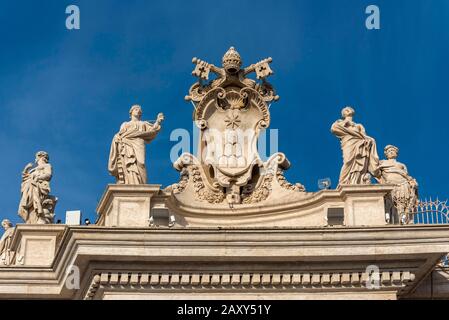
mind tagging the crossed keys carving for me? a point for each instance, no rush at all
(263, 69)
(203, 69)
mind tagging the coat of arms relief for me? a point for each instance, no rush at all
(230, 111)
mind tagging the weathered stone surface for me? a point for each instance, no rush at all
(36, 245)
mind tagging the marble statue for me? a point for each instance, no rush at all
(36, 204)
(360, 159)
(405, 193)
(6, 255)
(127, 155)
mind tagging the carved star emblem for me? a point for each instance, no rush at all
(232, 121)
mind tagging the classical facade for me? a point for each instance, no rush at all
(232, 227)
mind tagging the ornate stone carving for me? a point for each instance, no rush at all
(405, 194)
(231, 73)
(190, 172)
(7, 256)
(182, 184)
(288, 185)
(230, 112)
(261, 193)
(360, 159)
(200, 188)
(273, 170)
(36, 204)
(127, 155)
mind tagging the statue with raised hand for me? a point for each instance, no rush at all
(127, 155)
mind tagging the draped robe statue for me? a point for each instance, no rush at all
(6, 255)
(127, 155)
(360, 159)
(405, 192)
(36, 204)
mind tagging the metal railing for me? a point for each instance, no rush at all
(431, 212)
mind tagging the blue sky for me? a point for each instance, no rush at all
(67, 92)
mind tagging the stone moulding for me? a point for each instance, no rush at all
(287, 260)
(244, 281)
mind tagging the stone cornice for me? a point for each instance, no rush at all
(394, 248)
(310, 281)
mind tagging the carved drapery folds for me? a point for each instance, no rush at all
(127, 153)
(361, 164)
(230, 111)
(360, 159)
(7, 256)
(37, 206)
(404, 197)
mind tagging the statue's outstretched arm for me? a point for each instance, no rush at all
(159, 119)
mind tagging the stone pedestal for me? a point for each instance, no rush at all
(36, 245)
(364, 205)
(126, 205)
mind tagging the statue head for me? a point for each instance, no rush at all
(135, 111)
(42, 156)
(232, 61)
(6, 224)
(347, 112)
(391, 152)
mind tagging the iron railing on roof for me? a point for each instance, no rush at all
(431, 212)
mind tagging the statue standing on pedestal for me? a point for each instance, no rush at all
(360, 159)
(6, 255)
(127, 156)
(36, 204)
(405, 193)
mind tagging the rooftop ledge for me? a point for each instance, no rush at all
(134, 206)
(400, 251)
